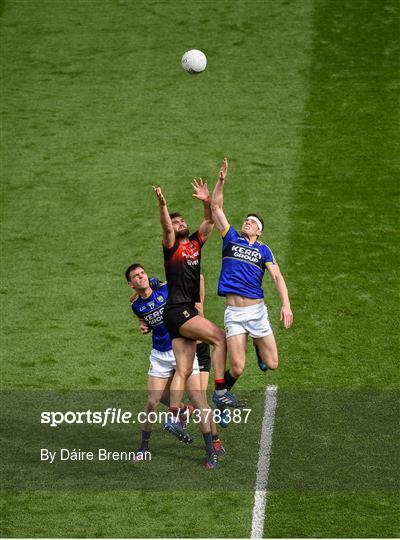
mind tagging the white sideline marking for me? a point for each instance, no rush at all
(264, 455)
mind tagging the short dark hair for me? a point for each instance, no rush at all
(130, 269)
(175, 214)
(258, 217)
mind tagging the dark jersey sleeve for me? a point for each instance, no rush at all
(168, 252)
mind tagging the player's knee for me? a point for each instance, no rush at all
(218, 337)
(236, 370)
(152, 403)
(185, 372)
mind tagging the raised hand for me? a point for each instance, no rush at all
(200, 190)
(160, 196)
(223, 170)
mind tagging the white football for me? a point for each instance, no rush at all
(194, 61)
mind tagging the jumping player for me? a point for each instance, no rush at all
(182, 254)
(244, 261)
(148, 305)
(204, 360)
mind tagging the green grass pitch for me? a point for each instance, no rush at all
(302, 98)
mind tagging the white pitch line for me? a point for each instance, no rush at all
(264, 455)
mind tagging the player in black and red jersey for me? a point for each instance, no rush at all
(182, 255)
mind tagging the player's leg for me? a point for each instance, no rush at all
(165, 400)
(203, 412)
(267, 350)
(237, 358)
(204, 360)
(260, 330)
(202, 329)
(216, 442)
(156, 387)
(184, 352)
(184, 349)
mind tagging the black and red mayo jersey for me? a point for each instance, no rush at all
(182, 270)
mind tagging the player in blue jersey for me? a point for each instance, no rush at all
(244, 261)
(148, 305)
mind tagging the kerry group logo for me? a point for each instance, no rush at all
(250, 255)
(154, 317)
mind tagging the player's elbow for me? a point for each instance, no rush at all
(167, 229)
(276, 278)
(152, 403)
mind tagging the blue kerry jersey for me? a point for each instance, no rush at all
(151, 310)
(243, 265)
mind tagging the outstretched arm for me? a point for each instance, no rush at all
(217, 199)
(166, 223)
(286, 312)
(201, 193)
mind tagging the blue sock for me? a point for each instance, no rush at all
(208, 442)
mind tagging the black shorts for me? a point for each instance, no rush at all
(203, 356)
(177, 314)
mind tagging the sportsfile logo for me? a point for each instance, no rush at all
(114, 415)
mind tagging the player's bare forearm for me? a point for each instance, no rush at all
(201, 193)
(219, 218)
(207, 225)
(218, 193)
(165, 220)
(166, 224)
(143, 326)
(282, 290)
(216, 206)
(286, 315)
(205, 229)
(217, 199)
(200, 305)
(207, 210)
(202, 292)
(199, 308)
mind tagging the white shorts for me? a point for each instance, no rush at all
(163, 363)
(252, 320)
